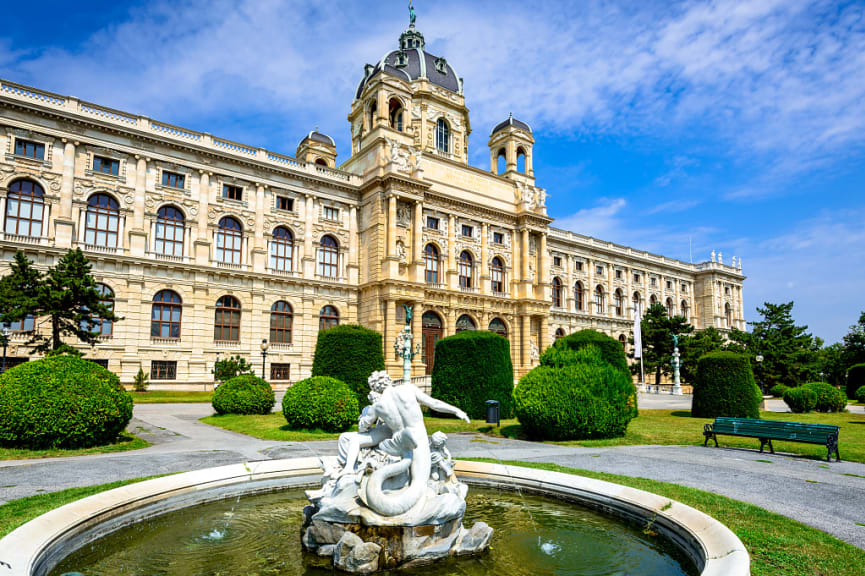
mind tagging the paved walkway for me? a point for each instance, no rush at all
(828, 496)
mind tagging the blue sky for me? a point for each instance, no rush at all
(739, 125)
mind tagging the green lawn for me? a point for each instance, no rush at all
(125, 442)
(168, 396)
(666, 427)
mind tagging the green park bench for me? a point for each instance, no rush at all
(768, 430)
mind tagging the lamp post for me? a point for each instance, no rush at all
(264, 348)
(677, 362)
(759, 360)
(5, 343)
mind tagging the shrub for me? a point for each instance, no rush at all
(828, 398)
(725, 387)
(140, 380)
(800, 399)
(472, 367)
(227, 368)
(586, 398)
(778, 390)
(244, 394)
(855, 379)
(860, 395)
(320, 402)
(61, 402)
(611, 349)
(350, 353)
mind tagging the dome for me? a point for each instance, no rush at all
(317, 136)
(511, 121)
(410, 62)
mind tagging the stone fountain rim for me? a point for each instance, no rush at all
(34, 548)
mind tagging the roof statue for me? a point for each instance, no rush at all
(411, 15)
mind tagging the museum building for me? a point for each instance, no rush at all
(209, 248)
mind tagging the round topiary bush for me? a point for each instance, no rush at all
(860, 395)
(611, 349)
(778, 390)
(725, 386)
(828, 398)
(855, 379)
(322, 403)
(578, 400)
(800, 399)
(350, 353)
(472, 367)
(61, 402)
(244, 394)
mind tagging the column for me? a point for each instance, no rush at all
(202, 243)
(64, 223)
(525, 341)
(308, 251)
(524, 259)
(259, 252)
(137, 231)
(391, 226)
(451, 272)
(353, 239)
(485, 268)
(417, 336)
(543, 262)
(417, 242)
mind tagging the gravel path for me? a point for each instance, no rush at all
(828, 496)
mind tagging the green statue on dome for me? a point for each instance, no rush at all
(411, 14)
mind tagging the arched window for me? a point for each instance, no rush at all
(281, 316)
(321, 162)
(728, 315)
(328, 257)
(560, 333)
(443, 136)
(497, 276)
(619, 302)
(395, 113)
(498, 326)
(373, 112)
(557, 292)
(431, 264)
(465, 322)
(165, 315)
(521, 160)
(638, 304)
(102, 221)
(95, 323)
(652, 300)
(328, 318)
(170, 229)
(25, 205)
(685, 311)
(599, 299)
(624, 342)
(465, 269)
(671, 308)
(501, 161)
(226, 322)
(579, 296)
(229, 241)
(282, 249)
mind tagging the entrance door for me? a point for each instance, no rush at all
(432, 332)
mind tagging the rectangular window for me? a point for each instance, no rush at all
(106, 165)
(599, 270)
(636, 278)
(653, 281)
(25, 325)
(557, 261)
(432, 223)
(669, 285)
(173, 180)
(498, 238)
(285, 203)
(99, 361)
(684, 287)
(232, 192)
(331, 213)
(163, 370)
(29, 149)
(280, 371)
(578, 266)
(618, 274)
(467, 231)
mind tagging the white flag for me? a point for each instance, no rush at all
(638, 337)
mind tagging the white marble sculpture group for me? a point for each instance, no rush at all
(392, 500)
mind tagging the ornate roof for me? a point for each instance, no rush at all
(317, 136)
(511, 121)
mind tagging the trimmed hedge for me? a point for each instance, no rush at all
(320, 402)
(860, 395)
(611, 349)
(61, 402)
(244, 394)
(584, 398)
(800, 399)
(725, 386)
(350, 353)
(472, 367)
(855, 379)
(778, 390)
(828, 398)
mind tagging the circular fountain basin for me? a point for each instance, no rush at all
(546, 522)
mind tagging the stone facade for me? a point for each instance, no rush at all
(404, 220)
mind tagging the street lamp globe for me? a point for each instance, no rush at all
(264, 345)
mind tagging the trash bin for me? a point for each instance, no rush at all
(493, 412)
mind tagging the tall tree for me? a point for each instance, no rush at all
(657, 329)
(789, 352)
(67, 295)
(854, 343)
(831, 364)
(698, 344)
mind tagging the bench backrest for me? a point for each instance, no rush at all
(776, 429)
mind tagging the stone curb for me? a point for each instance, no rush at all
(35, 548)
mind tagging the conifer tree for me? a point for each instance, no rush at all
(657, 329)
